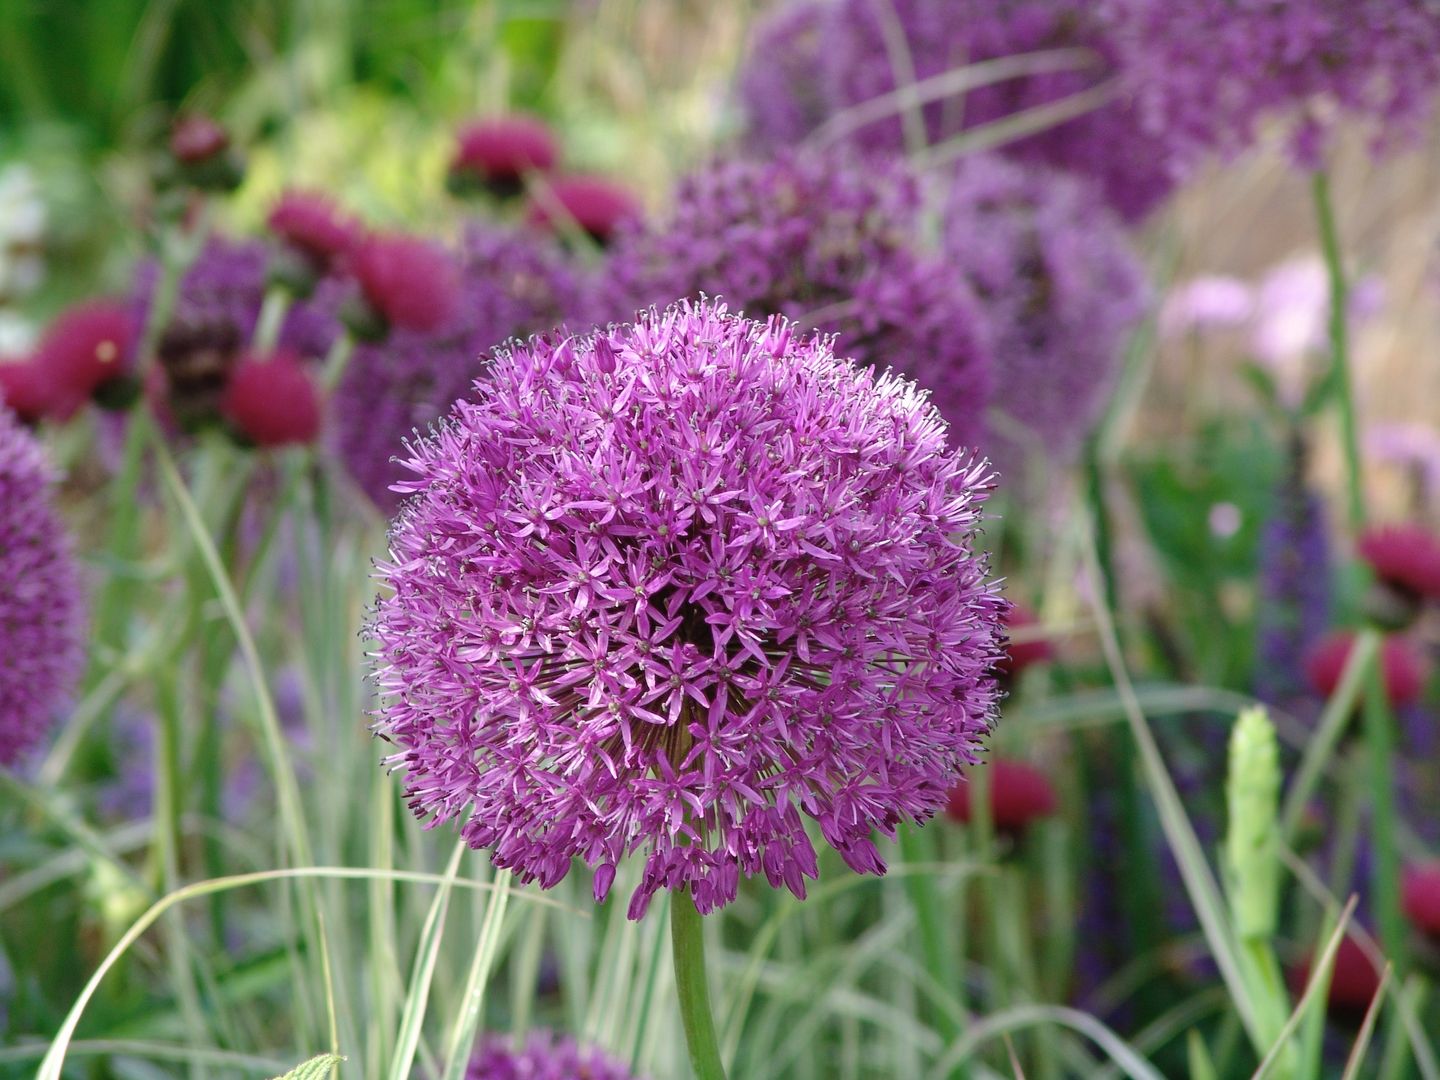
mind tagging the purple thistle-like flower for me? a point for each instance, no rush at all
(544, 1056)
(513, 283)
(1061, 290)
(41, 606)
(779, 87)
(834, 244)
(1207, 72)
(669, 587)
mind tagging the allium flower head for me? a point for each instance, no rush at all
(598, 207)
(545, 1056)
(1405, 557)
(41, 621)
(1404, 667)
(513, 283)
(313, 225)
(272, 401)
(1420, 898)
(495, 154)
(779, 86)
(86, 347)
(407, 281)
(832, 243)
(1062, 291)
(666, 588)
(1019, 795)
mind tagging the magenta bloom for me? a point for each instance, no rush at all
(598, 207)
(545, 1056)
(1019, 795)
(314, 226)
(1404, 667)
(272, 401)
(1405, 557)
(409, 282)
(1061, 289)
(834, 244)
(23, 390)
(667, 588)
(495, 154)
(86, 347)
(1420, 897)
(513, 283)
(196, 139)
(41, 620)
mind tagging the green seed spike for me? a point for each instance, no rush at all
(1252, 793)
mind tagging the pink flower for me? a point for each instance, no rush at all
(409, 282)
(1019, 795)
(1420, 897)
(1405, 669)
(497, 153)
(1405, 557)
(596, 205)
(272, 401)
(86, 347)
(196, 139)
(315, 226)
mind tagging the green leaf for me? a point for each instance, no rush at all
(317, 1068)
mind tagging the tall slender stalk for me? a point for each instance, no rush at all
(1380, 750)
(687, 940)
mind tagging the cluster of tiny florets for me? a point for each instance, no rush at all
(512, 284)
(673, 587)
(832, 243)
(544, 1056)
(41, 609)
(1061, 290)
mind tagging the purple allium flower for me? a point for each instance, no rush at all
(855, 61)
(1208, 302)
(513, 283)
(41, 608)
(545, 1056)
(1061, 291)
(779, 87)
(668, 587)
(1207, 72)
(831, 243)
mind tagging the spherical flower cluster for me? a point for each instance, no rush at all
(312, 225)
(1208, 72)
(545, 1056)
(1019, 795)
(1404, 668)
(831, 243)
(1061, 290)
(779, 88)
(408, 282)
(272, 400)
(1405, 557)
(495, 154)
(594, 205)
(856, 61)
(511, 284)
(668, 587)
(41, 620)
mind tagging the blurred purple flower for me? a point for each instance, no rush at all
(668, 587)
(41, 603)
(544, 1056)
(513, 283)
(833, 243)
(1061, 290)
(779, 87)
(1206, 303)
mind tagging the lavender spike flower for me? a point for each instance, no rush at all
(832, 243)
(41, 607)
(544, 1056)
(667, 588)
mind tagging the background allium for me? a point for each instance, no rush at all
(545, 1056)
(832, 243)
(512, 284)
(1061, 291)
(670, 587)
(41, 619)
(779, 86)
(1207, 72)
(410, 282)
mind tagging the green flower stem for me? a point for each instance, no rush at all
(938, 957)
(1380, 747)
(1340, 348)
(337, 360)
(272, 317)
(687, 939)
